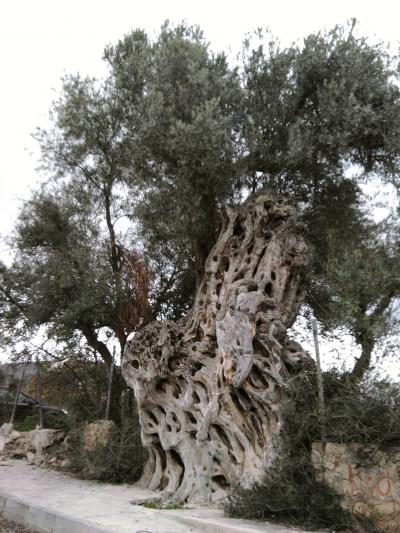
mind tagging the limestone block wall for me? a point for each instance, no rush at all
(369, 488)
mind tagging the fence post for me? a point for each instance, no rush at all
(321, 398)
(14, 411)
(39, 393)
(110, 385)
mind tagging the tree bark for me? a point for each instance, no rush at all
(365, 339)
(114, 250)
(208, 221)
(90, 335)
(209, 387)
(364, 361)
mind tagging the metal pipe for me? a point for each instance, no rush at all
(39, 393)
(110, 385)
(14, 411)
(321, 398)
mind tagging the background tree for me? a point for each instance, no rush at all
(319, 120)
(62, 282)
(356, 290)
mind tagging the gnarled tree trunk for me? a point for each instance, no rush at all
(209, 388)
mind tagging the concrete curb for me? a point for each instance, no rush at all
(209, 525)
(41, 519)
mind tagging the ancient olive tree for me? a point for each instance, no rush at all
(209, 387)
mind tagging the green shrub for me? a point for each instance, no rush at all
(365, 414)
(54, 420)
(290, 493)
(121, 460)
(5, 413)
(26, 424)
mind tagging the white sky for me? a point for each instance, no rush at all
(40, 40)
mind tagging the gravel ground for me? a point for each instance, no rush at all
(12, 527)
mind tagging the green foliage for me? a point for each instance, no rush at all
(79, 385)
(121, 460)
(362, 281)
(5, 413)
(365, 414)
(165, 506)
(27, 418)
(312, 110)
(355, 287)
(26, 424)
(62, 279)
(182, 103)
(290, 493)
(140, 163)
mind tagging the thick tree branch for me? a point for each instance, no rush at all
(91, 336)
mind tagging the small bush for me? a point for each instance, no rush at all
(121, 460)
(5, 413)
(290, 491)
(54, 420)
(366, 413)
(172, 506)
(26, 424)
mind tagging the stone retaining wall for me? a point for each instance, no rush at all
(369, 487)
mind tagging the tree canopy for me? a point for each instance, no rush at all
(139, 165)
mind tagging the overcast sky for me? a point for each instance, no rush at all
(43, 39)
(40, 40)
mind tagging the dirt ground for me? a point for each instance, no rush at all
(12, 527)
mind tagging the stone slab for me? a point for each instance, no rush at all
(370, 489)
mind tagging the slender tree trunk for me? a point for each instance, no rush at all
(14, 410)
(115, 259)
(39, 393)
(363, 363)
(364, 337)
(109, 389)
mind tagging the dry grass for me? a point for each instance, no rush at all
(7, 526)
